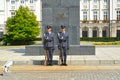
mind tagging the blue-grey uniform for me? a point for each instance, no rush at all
(63, 45)
(49, 45)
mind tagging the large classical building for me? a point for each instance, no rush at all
(98, 18)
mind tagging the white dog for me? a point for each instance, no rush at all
(7, 65)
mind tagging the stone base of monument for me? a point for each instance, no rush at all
(34, 50)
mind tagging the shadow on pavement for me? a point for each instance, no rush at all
(1, 74)
(41, 62)
(17, 50)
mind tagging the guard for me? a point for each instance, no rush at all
(63, 45)
(49, 45)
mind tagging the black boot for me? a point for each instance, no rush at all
(50, 63)
(65, 63)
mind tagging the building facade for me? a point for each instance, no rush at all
(98, 18)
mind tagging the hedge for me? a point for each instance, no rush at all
(101, 39)
(96, 39)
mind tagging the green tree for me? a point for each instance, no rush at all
(21, 28)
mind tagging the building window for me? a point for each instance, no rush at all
(31, 1)
(84, 15)
(1, 27)
(22, 1)
(95, 15)
(104, 31)
(12, 1)
(85, 1)
(105, 1)
(95, 32)
(1, 34)
(105, 15)
(12, 13)
(95, 1)
(118, 1)
(85, 32)
(118, 33)
(118, 15)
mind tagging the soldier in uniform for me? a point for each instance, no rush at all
(63, 45)
(49, 45)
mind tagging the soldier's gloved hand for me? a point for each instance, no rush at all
(46, 38)
(61, 37)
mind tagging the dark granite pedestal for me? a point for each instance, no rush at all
(35, 50)
(62, 12)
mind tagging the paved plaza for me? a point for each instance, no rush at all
(105, 55)
(105, 65)
(64, 75)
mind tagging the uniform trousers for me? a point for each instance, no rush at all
(63, 54)
(49, 54)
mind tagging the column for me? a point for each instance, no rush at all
(81, 32)
(113, 31)
(100, 31)
(90, 32)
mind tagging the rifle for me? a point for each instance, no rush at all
(45, 53)
(60, 57)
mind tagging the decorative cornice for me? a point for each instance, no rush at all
(117, 9)
(104, 9)
(85, 9)
(95, 9)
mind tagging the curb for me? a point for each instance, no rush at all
(60, 68)
(71, 62)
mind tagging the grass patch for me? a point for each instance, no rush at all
(37, 42)
(106, 43)
(100, 43)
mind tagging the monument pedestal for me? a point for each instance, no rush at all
(62, 12)
(34, 50)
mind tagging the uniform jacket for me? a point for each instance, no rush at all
(49, 40)
(63, 40)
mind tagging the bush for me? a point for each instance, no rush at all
(21, 28)
(8, 40)
(0, 39)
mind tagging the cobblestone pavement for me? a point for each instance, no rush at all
(64, 75)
